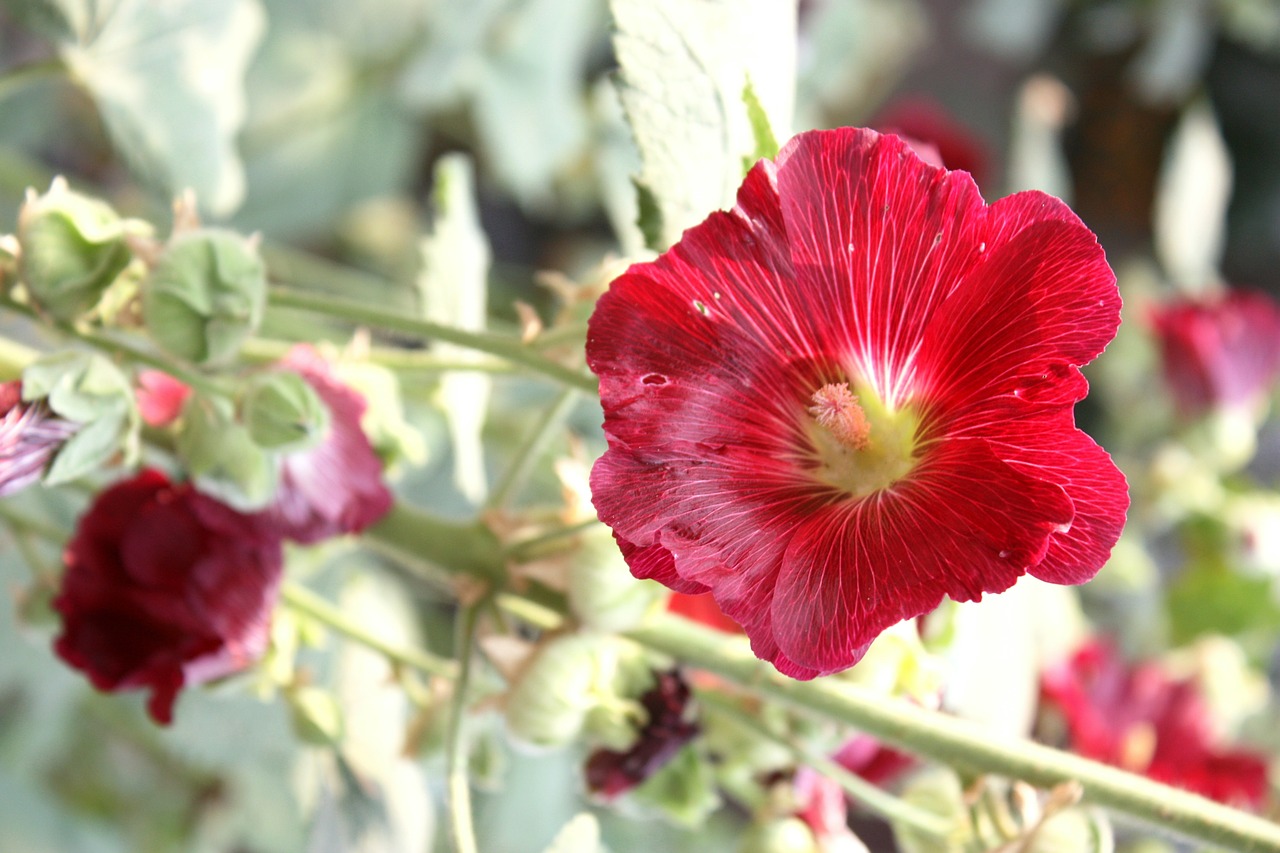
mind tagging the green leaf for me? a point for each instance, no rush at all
(222, 457)
(684, 64)
(1208, 599)
(454, 290)
(168, 79)
(761, 129)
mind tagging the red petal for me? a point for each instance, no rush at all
(963, 523)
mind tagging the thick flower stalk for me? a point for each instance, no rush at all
(166, 588)
(852, 395)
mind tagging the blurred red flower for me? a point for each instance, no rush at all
(923, 122)
(30, 435)
(852, 395)
(1141, 719)
(1219, 351)
(165, 588)
(335, 487)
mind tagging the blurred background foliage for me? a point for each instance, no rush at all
(326, 124)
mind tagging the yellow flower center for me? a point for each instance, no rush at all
(862, 445)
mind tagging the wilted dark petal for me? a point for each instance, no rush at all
(666, 730)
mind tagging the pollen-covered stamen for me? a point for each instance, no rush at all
(836, 408)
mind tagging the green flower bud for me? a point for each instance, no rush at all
(603, 594)
(548, 704)
(72, 248)
(222, 457)
(87, 389)
(936, 790)
(315, 715)
(206, 294)
(784, 835)
(283, 412)
(1074, 830)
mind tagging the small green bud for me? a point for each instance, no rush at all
(937, 790)
(549, 702)
(784, 835)
(222, 457)
(72, 248)
(283, 412)
(87, 389)
(603, 593)
(205, 295)
(315, 715)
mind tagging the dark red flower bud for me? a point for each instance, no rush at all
(166, 587)
(611, 773)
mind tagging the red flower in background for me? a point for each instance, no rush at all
(1220, 351)
(30, 435)
(165, 588)
(336, 486)
(1139, 718)
(852, 395)
(924, 123)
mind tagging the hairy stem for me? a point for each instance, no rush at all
(503, 347)
(961, 744)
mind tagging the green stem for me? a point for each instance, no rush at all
(530, 451)
(303, 601)
(265, 351)
(961, 744)
(873, 798)
(426, 544)
(362, 314)
(533, 547)
(461, 830)
(119, 345)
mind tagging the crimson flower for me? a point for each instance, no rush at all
(29, 436)
(165, 588)
(853, 395)
(1143, 720)
(666, 730)
(1219, 351)
(336, 486)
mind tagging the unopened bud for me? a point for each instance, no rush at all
(783, 835)
(205, 295)
(603, 594)
(549, 702)
(72, 248)
(283, 413)
(222, 457)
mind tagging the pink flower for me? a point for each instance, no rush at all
(823, 809)
(165, 588)
(336, 486)
(1219, 351)
(160, 397)
(1139, 718)
(30, 435)
(853, 395)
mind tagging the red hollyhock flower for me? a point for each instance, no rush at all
(852, 395)
(1219, 351)
(29, 436)
(160, 397)
(666, 730)
(336, 486)
(165, 588)
(1140, 719)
